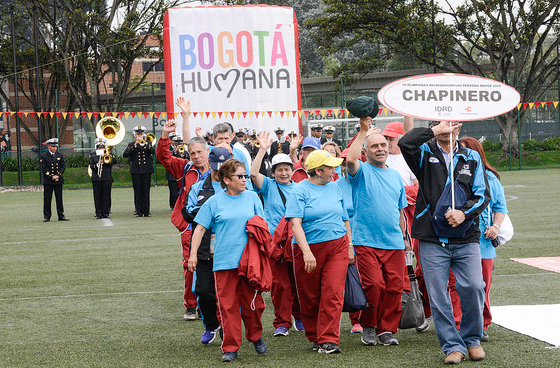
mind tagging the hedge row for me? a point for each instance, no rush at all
(549, 144)
(32, 164)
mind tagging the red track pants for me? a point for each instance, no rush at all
(382, 280)
(238, 300)
(321, 292)
(284, 294)
(487, 266)
(189, 298)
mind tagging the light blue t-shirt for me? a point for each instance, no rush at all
(273, 206)
(497, 204)
(227, 215)
(321, 208)
(346, 189)
(378, 194)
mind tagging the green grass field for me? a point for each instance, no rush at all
(79, 294)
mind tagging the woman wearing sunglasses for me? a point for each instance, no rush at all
(227, 213)
(321, 229)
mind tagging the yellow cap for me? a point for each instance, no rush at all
(319, 158)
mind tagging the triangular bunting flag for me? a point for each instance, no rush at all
(531, 105)
(158, 114)
(44, 114)
(207, 114)
(294, 112)
(556, 104)
(20, 113)
(269, 114)
(84, 114)
(145, 114)
(263, 112)
(25, 114)
(121, 114)
(336, 112)
(232, 114)
(549, 103)
(58, 114)
(164, 114)
(76, 115)
(115, 114)
(282, 114)
(51, 114)
(213, 114)
(537, 104)
(151, 113)
(251, 114)
(102, 114)
(64, 114)
(329, 112)
(176, 114)
(12, 113)
(133, 114)
(126, 114)
(95, 114)
(220, 114)
(257, 113)
(195, 113)
(89, 115)
(306, 112)
(244, 114)
(300, 113)
(238, 114)
(323, 113)
(519, 106)
(385, 111)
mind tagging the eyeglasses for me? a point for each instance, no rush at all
(241, 176)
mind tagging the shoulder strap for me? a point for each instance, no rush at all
(186, 168)
(281, 193)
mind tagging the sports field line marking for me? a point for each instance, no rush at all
(93, 294)
(89, 239)
(107, 222)
(526, 274)
(511, 198)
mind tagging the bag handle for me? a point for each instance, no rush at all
(282, 196)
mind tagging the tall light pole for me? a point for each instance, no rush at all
(38, 81)
(16, 97)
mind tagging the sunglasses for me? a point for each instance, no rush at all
(241, 176)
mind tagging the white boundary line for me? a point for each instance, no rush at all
(88, 295)
(89, 239)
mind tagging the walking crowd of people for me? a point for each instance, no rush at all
(288, 215)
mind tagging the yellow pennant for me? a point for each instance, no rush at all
(300, 113)
(519, 106)
(214, 113)
(251, 114)
(531, 105)
(151, 114)
(126, 114)
(176, 114)
(164, 114)
(385, 111)
(323, 113)
(64, 114)
(115, 114)
(76, 115)
(12, 113)
(102, 114)
(556, 104)
(51, 114)
(238, 114)
(25, 114)
(336, 111)
(89, 115)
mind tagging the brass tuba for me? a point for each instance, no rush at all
(113, 131)
(150, 137)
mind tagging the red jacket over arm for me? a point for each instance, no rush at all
(254, 265)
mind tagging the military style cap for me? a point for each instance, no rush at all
(363, 106)
(316, 126)
(52, 142)
(178, 139)
(139, 129)
(329, 128)
(101, 142)
(279, 130)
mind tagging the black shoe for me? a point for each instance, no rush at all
(315, 346)
(229, 357)
(369, 336)
(387, 339)
(329, 348)
(63, 219)
(137, 215)
(485, 337)
(147, 215)
(46, 219)
(98, 217)
(260, 346)
(106, 216)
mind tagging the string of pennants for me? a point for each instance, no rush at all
(288, 113)
(207, 114)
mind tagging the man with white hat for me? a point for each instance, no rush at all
(52, 168)
(280, 145)
(316, 130)
(101, 178)
(329, 136)
(139, 155)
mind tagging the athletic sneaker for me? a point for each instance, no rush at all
(357, 328)
(315, 346)
(424, 326)
(485, 337)
(369, 336)
(229, 357)
(298, 325)
(190, 314)
(260, 346)
(281, 331)
(329, 348)
(386, 338)
(208, 336)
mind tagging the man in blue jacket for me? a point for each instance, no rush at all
(441, 250)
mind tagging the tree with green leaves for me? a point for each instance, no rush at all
(512, 41)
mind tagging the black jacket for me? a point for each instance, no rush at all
(274, 148)
(140, 158)
(106, 172)
(52, 165)
(428, 164)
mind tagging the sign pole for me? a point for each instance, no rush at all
(451, 168)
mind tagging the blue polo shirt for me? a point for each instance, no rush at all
(378, 194)
(321, 208)
(227, 215)
(346, 189)
(273, 206)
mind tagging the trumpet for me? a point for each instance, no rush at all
(182, 148)
(150, 138)
(257, 144)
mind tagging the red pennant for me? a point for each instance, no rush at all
(121, 114)
(220, 114)
(95, 114)
(207, 113)
(45, 114)
(133, 114)
(194, 113)
(158, 114)
(58, 114)
(244, 114)
(257, 113)
(269, 114)
(232, 114)
(549, 103)
(145, 115)
(343, 112)
(84, 114)
(294, 112)
(537, 104)
(317, 112)
(282, 114)
(19, 114)
(329, 112)
(525, 104)
(306, 112)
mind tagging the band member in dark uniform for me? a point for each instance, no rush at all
(52, 168)
(140, 154)
(329, 136)
(280, 145)
(101, 164)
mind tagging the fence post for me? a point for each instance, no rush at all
(519, 138)
(154, 120)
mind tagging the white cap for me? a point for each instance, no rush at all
(281, 158)
(329, 128)
(140, 129)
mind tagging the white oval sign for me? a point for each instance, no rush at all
(453, 97)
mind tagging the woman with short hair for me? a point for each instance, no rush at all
(227, 213)
(321, 229)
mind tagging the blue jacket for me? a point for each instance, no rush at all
(428, 164)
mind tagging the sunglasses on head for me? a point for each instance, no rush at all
(240, 176)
